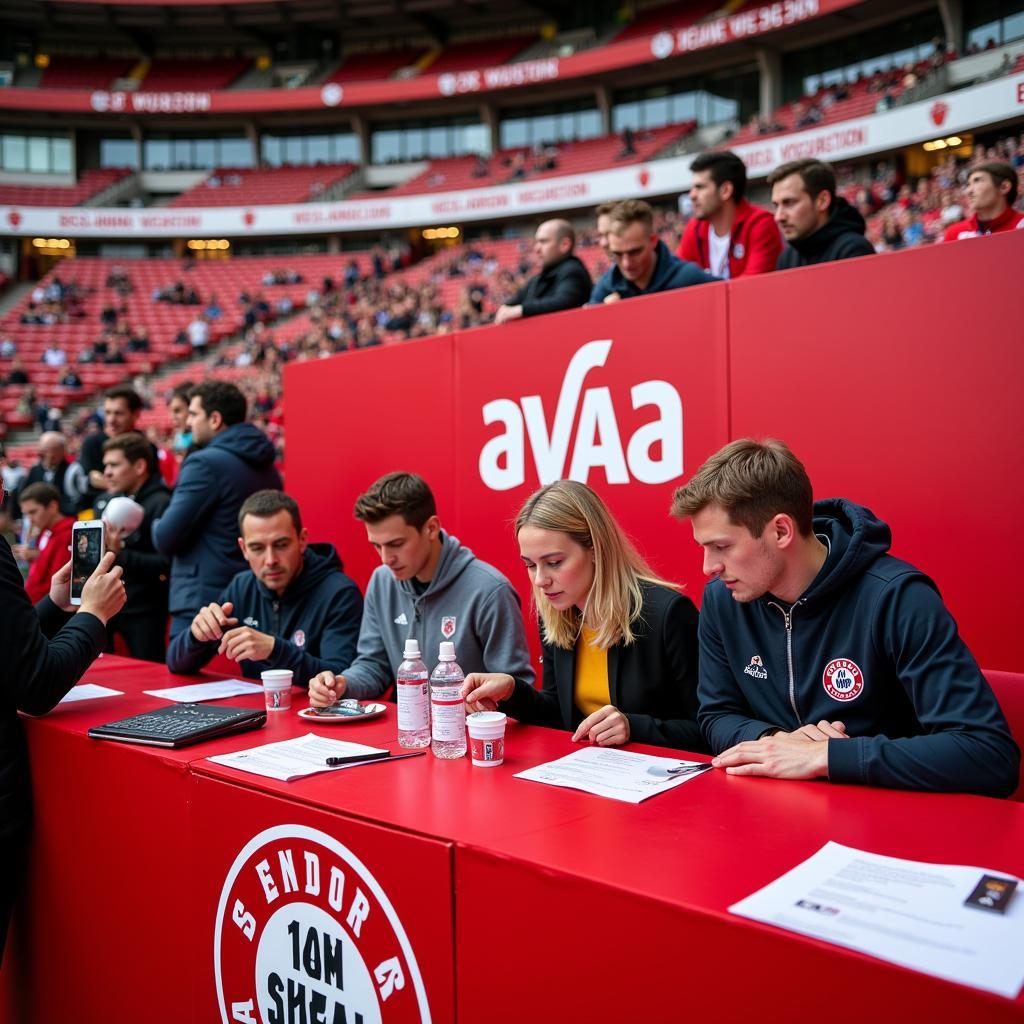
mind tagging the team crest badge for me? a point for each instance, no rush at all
(842, 679)
(299, 638)
(756, 668)
(305, 932)
(448, 627)
(739, 251)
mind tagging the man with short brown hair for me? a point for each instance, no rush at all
(40, 504)
(991, 191)
(821, 655)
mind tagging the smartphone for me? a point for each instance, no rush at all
(86, 552)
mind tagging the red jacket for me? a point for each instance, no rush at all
(1008, 220)
(54, 551)
(753, 248)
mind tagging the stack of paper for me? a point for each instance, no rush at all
(294, 759)
(195, 693)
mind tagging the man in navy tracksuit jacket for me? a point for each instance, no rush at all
(823, 655)
(293, 608)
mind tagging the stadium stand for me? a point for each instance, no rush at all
(90, 184)
(478, 54)
(167, 75)
(670, 18)
(85, 72)
(240, 186)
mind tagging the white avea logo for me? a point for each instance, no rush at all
(597, 444)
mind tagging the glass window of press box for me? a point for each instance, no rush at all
(990, 23)
(425, 140)
(35, 154)
(170, 153)
(277, 150)
(560, 122)
(908, 41)
(706, 101)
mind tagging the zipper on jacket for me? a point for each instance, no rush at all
(787, 615)
(276, 605)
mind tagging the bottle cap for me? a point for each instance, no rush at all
(447, 652)
(412, 650)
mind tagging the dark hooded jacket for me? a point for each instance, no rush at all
(841, 237)
(670, 273)
(199, 529)
(566, 285)
(869, 643)
(315, 623)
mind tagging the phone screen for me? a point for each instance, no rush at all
(86, 552)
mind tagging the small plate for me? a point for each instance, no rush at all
(373, 710)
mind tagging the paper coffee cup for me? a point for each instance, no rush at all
(487, 738)
(277, 688)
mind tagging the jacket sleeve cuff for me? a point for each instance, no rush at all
(844, 761)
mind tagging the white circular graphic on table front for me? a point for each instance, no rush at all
(304, 932)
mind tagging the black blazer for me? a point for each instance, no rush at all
(653, 681)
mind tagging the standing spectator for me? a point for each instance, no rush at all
(40, 504)
(199, 530)
(819, 226)
(199, 335)
(178, 408)
(54, 468)
(643, 263)
(54, 355)
(563, 281)
(991, 191)
(143, 620)
(728, 236)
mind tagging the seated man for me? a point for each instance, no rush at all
(991, 191)
(641, 262)
(429, 588)
(40, 504)
(297, 609)
(821, 655)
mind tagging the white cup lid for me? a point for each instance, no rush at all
(487, 718)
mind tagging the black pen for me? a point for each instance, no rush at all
(335, 762)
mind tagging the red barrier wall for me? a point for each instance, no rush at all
(896, 379)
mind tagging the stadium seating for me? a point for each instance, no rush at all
(670, 18)
(85, 72)
(229, 186)
(166, 75)
(90, 184)
(482, 54)
(371, 67)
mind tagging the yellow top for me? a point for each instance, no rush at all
(591, 691)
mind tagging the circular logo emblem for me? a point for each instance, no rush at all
(331, 94)
(447, 84)
(842, 679)
(661, 45)
(302, 923)
(738, 251)
(100, 101)
(299, 638)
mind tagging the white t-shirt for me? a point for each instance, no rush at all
(718, 251)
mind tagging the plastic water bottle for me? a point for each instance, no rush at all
(447, 710)
(412, 690)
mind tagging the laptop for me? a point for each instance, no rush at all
(180, 725)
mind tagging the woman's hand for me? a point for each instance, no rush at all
(325, 688)
(482, 690)
(608, 727)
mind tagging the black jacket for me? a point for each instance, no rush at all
(840, 238)
(35, 673)
(653, 681)
(315, 623)
(90, 458)
(38, 475)
(199, 530)
(566, 285)
(869, 643)
(146, 571)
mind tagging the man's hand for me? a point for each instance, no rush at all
(506, 313)
(613, 297)
(822, 731)
(60, 588)
(325, 688)
(246, 644)
(25, 552)
(213, 621)
(482, 690)
(97, 480)
(103, 594)
(782, 756)
(607, 727)
(113, 539)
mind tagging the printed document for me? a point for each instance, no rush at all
(195, 693)
(294, 759)
(89, 691)
(908, 912)
(617, 774)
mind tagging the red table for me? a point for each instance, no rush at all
(490, 898)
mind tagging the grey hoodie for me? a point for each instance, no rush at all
(468, 602)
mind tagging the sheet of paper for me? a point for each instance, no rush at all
(197, 692)
(294, 759)
(906, 911)
(89, 691)
(618, 774)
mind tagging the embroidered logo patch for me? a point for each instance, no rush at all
(738, 251)
(842, 679)
(299, 638)
(756, 668)
(402, 620)
(448, 626)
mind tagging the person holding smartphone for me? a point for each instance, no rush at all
(46, 651)
(619, 643)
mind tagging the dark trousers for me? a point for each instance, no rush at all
(145, 635)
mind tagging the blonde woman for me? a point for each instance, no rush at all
(619, 644)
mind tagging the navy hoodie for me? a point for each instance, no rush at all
(315, 622)
(199, 529)
(871, 644)
(670, 273)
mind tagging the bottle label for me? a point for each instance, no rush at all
(413, 706)
(448, 714)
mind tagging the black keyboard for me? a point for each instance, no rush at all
(180, 725)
